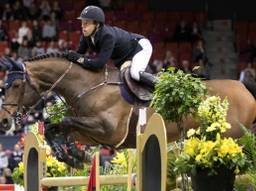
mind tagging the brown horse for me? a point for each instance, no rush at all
(100, 114)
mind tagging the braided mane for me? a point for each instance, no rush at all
(48, 55)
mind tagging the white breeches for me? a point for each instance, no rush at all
(141, 59)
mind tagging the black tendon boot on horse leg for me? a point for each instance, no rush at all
(56, 139)
(53, 138)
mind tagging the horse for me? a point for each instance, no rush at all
(99, 114)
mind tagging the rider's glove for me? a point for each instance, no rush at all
(75, 57)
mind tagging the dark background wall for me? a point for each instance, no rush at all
(217, 9)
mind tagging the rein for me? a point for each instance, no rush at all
(45, 94)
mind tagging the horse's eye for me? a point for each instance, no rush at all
(15, 85)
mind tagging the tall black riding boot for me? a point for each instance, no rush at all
(148, 79)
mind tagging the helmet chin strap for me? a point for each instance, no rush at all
(94, 31)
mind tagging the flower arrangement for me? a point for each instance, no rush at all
(205, 148)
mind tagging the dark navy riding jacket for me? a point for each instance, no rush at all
(110, 43)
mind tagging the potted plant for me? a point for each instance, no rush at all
(177, 95)
(210, 159)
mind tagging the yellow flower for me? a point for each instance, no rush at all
(229, 147)
(224, 127)
(119, 159)
(191, 132)
(206, 147)
(21, 166)
(213, 127)
(48, 150)
(190, 146)
(198, 157)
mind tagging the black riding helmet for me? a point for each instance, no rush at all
(93, 13)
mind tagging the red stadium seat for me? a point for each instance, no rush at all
(14, 25)
(241, 27)
(159, 51)
(185, 47)
(187, 16)
(69, 15)
(74, 37)
(63, 35)
(7, 187)
(173, 47)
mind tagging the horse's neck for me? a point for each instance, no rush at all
(45, 73)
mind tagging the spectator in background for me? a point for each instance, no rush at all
(18, 12)
(7, 52)
(51, 48)
(3, 34)
(185, 66)
(57, 10)
(169, 60)
(24, 51)
(106, 155)
(248, 77)
(36, 33)
(15, 44)
(201, 71)
(105, 4)
(27, 4)
(199, 53)
(16, 157)
(196, 33)
(200, 59)
(2, 180)
(45, 10)
(3, 159)
(247, 72)
(249, 51)
(7, 12)
(155, 67)
(182, 32)
(63, 45)
(49, 31)
(24, 32)
(14, 56)
(37, 50)
(33, 12)
(7, 173)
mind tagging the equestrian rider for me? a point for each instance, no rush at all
(111, 42)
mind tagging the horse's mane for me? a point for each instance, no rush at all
(48, 55)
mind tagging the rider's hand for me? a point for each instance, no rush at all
(75, 57)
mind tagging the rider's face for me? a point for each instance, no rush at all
(88, 27)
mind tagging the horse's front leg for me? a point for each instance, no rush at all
(57, 139)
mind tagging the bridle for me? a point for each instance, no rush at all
(17, 116)
(24, 76)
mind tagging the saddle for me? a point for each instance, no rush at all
(138, 89)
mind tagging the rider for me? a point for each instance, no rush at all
(111, 42)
